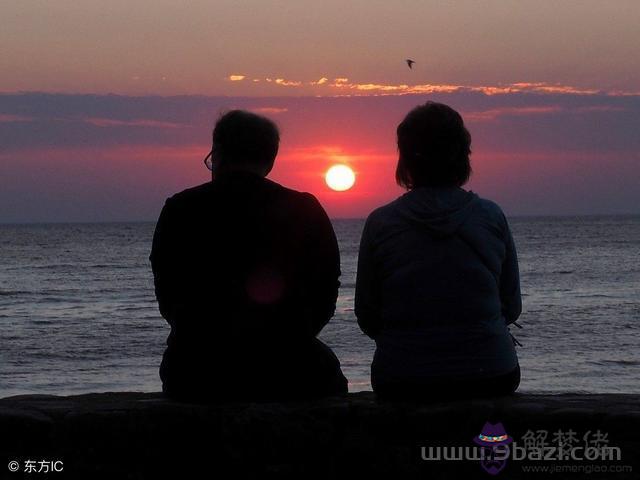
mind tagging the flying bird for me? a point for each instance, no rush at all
(410, 63)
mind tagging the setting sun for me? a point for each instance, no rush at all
(340, 178)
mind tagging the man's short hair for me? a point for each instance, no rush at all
(243, 137)
(434, 148)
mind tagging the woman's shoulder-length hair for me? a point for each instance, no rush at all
(434, 147)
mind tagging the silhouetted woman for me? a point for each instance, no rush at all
(438, 278)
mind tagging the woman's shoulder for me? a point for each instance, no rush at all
(383, 214)
(488, 213)
(489, 207)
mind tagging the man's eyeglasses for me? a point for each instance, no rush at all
(208, 160)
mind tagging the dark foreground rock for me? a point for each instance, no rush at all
(136, 435)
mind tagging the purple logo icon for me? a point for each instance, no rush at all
(495, 447)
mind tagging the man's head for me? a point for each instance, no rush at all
(244, 141)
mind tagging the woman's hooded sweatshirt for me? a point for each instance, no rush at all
(437, 285)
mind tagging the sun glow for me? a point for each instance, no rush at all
(340, 178)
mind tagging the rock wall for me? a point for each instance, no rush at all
(140, 436)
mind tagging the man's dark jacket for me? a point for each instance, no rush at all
(246, 274)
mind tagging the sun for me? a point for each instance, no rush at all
(340, 178)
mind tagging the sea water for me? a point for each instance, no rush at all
(78, 313)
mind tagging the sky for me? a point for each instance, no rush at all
(106, 108)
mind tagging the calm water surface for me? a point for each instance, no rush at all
(77, 311)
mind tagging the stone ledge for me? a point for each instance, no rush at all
(144, 435)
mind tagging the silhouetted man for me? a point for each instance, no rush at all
(246, 273)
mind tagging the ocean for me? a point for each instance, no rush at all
(78, 313)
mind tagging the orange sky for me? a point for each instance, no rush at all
(550, 91)
(169, 47)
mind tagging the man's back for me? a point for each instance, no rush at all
(246, 273)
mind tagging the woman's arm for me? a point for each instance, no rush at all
(510, 279)
(367, 299)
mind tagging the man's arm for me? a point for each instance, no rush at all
(367, 301)
(510, 280)
(323, 267)
(163, 261)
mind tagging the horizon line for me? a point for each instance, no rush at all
(513, 216)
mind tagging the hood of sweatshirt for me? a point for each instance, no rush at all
(440, 210)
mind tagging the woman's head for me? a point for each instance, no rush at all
(434, 148)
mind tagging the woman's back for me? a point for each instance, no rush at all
(437, 285)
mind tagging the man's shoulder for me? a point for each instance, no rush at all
(277, 192)
(296, 200)
(191, 193)
(286, 191)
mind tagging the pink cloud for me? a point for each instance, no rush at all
(287, 83)
(494, 113)
(4, 118)
(109, 122)
(269, 110)
(342, 86)
(547, 88)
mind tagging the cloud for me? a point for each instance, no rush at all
(109, 122)
(600, 108)
(536, 122)
(60, 154)
(269, 110)
(14, 118)
(97, 121)
(343, 86)
(405, 89)
(494, 113)
(287, 83)
(538, 87)
(335, 154)
(236, 78)
(528, 111)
